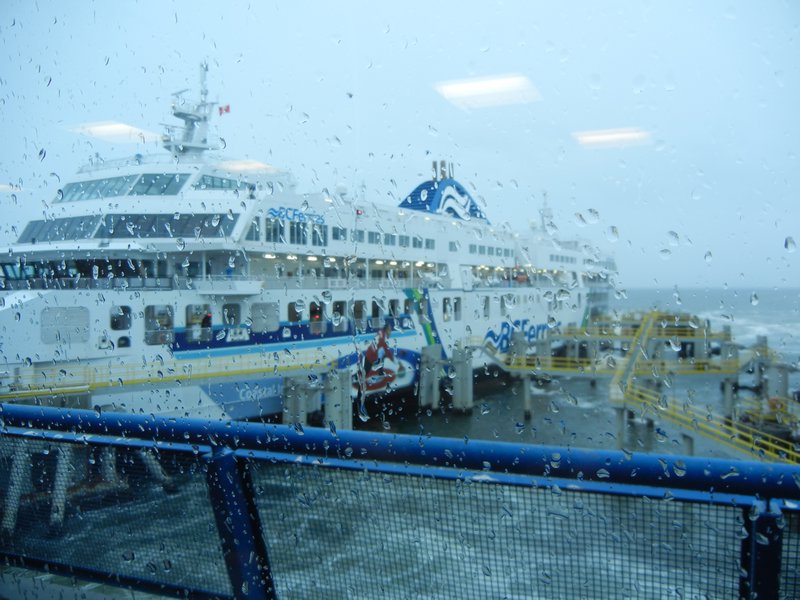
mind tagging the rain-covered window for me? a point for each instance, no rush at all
(97, 188)
(159, 324)
(298, 233)
(254, 232)
(561, 224)
(68, 228)
(148, 225)
(319, 235)
(265, 316)
(339, 316)
(210, 182)
(316, 318)
(159, 184)
(273, 231)
(198, 322)
(232, 313)
(120, 317)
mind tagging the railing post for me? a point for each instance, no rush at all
(761, 554)
(239, 526)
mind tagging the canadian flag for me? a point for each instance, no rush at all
(224, 109)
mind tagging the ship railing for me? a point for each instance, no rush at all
(729, 432)
(37, 381)
(203, 509)
(306, 281)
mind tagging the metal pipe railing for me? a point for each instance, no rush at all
(768, 480)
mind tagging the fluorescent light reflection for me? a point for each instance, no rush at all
(612, 138)
(247, 166)
(488, 91)
(110, 131)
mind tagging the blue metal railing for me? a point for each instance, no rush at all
(253, 472)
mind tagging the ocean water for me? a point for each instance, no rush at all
(774, 313)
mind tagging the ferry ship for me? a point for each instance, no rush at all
(183, 283)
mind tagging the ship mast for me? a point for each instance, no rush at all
(192, 138)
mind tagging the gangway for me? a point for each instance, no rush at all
(630, 390)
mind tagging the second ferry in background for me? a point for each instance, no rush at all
(185, 284)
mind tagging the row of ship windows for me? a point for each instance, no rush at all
(488, 250)
(299, 233)
(145, 225)
(147, 184)
(563, 259)
(264, 317)
(296, 232)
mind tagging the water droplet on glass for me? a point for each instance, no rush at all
(754, 299)
(789, 244)
(708, 257)
(180, 243)
(232, 261)
(215, 221)
(673, 237)
(665, 253)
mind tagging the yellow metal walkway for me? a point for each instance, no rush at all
(644, 337)
(628, 392)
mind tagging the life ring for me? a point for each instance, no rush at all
(777, 404)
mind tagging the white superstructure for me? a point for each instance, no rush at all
(188, 284)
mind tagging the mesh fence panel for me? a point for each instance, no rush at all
(345, 534)
(790, 557)
(118, 518)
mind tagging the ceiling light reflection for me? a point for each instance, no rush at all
(111, 131)
(488, 91)
(612, 137)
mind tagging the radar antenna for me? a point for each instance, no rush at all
(192, 138)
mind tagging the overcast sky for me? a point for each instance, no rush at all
(346, 93)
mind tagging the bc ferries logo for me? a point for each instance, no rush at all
(532, 331)
(455, 203)
(293, 214)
